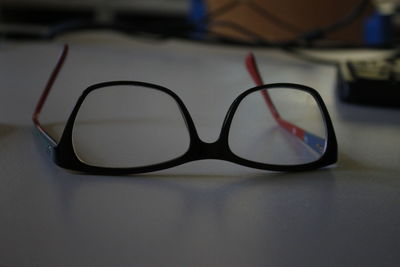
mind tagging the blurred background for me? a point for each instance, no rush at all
(37, 18)
(265, 22)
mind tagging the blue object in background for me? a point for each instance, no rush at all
(197, 15)
(378, 30)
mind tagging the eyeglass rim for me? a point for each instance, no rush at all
(65, 156)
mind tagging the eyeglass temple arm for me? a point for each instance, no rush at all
(315, 142)
(49, 85)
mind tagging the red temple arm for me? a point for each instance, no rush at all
(315, 142)
(255, 74)
(45, 94)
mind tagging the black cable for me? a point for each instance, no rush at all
(253, 6)
(305, 38)
(320, 33)
(271, 17)
(310, 58)
(257, 39)
(220, 11)
(183, 31)
(349, 18)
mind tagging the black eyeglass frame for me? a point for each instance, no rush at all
(63, 153)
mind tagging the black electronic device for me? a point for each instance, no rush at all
(371, 82)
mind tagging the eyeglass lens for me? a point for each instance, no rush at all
(129, 126)
(282, 126)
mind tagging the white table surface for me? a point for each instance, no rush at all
(205, 213)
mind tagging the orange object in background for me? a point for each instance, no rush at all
(298, 16)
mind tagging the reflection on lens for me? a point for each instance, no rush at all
(129, 126)
(282, 126)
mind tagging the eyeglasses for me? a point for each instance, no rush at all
(130, 127)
